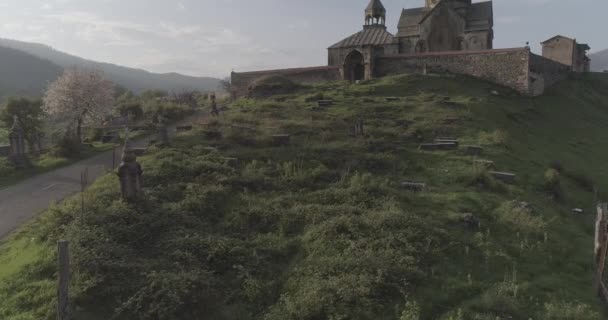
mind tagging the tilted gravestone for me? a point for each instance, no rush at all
(17, 144)
(413, 186)
(130, 174)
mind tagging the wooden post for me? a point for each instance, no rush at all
(601, 247)
(63, 307)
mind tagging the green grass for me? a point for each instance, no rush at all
(320, 229)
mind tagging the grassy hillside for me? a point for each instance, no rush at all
(22, 74)
(322, 229)
(136, 80)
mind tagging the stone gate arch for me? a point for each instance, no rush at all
(354, 66)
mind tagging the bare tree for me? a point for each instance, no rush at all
(78, 97)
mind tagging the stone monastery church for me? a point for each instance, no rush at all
(443, 36)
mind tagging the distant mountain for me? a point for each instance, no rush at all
(599, 60)
(22, 74)
(136, 80)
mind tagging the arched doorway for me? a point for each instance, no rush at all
(354, 68)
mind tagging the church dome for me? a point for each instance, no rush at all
(375, 10)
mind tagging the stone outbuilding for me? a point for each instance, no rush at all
(567, 51)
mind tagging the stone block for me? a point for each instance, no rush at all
(474, 150)
(413, 186)
(505, 177)
(280, 139)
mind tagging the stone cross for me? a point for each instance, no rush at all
(130, 174)
(17, 144)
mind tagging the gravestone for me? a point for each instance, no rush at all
(162, 134)
(130, 174)
(413, 186)
(447, 140)
(233, 162)
(505, 177)
(16, 138)
(392, 99)
(213, 134)
(578, 211)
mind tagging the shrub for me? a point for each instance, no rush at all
(552, 184)
(520, 217)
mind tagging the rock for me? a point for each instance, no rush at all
(280, 139)
(494, 92)
(474, 150)
(505, 177)
(413, 186)
(578, 211)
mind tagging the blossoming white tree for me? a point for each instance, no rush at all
(78, 97)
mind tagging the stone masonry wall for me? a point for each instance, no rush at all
(544, 73)
(508, 67)
(242, 80)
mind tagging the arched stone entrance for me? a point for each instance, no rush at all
(354, 66)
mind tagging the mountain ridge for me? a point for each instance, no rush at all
(134, 79)
(599, 60)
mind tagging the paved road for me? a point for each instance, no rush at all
(25, 200)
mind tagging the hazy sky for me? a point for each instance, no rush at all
(213, 37)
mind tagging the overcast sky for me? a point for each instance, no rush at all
(213, 37)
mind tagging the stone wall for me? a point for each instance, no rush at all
(242, 80)
(507, 67)
(544, 73)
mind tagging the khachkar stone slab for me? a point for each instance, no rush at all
(130, 174)
(17, 145)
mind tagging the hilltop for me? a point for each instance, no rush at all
(322, 228)
(136, 80)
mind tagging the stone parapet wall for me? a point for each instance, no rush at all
(242, 80)
(507, 67)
